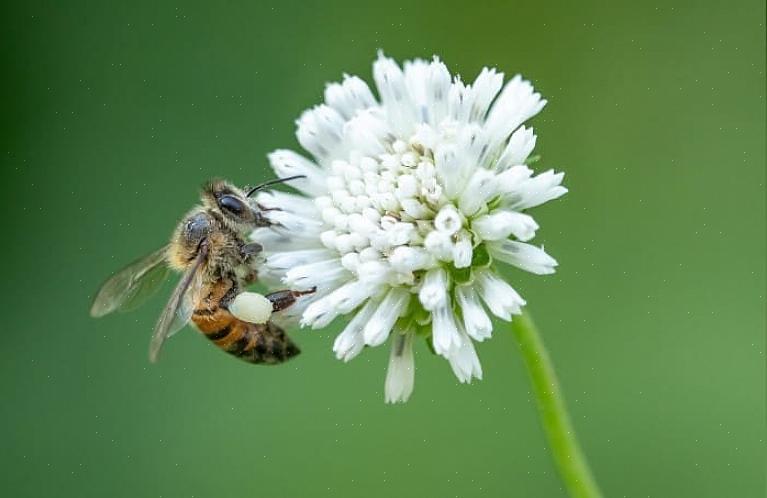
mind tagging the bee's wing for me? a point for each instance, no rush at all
(179, 309)
(130, 287)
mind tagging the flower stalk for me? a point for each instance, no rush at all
(567, 453)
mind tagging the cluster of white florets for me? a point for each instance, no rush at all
(408, 204)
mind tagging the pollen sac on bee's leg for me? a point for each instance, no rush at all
(251, 307)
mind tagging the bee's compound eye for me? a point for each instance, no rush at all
(231, 204)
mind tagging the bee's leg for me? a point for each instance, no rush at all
(247, 251)
(285, 298)
(263, 221)
(264, 208)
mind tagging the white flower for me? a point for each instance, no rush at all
(408, 202)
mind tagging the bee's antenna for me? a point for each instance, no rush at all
(272, 182)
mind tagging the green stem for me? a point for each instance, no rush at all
(567, 453)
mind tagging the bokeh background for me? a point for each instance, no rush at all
(114, 113)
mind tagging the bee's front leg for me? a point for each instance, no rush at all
(248, 254)
(250, 250)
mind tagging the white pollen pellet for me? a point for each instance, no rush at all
(251, 307)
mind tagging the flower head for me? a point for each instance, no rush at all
(408, 204)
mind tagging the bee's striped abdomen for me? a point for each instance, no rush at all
(255, 343)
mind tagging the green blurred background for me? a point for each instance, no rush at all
(114, 114)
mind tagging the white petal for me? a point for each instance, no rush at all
(500, 224)
(390, 82)
(350, 342)
(296, 223)
(450, 168)
(511, 179)
(521, 144)
(416, 80)
(516, 104)
(500, 297)
(433, 293)
(287, 163)
(458, 108)
(428, 85)
(290, 259)
(440, 245)
(322, 275)
(320, 131)
(463, 250)
(536, 191)
(367, 132)
(524, 256)
(400, 376)
(320, 313)
(482, 92)
(448, 220)
(475, 320)
(464, 360)
(292, 203)
(406, 258)
(380, 324)
(438, 90)
(481, 187)
(276, 240)
(444, 331)
(350, 295)
(373, 272)
(349, 96)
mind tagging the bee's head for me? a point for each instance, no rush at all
(233, 204)
(238, 210)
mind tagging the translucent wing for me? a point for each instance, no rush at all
(180, 306)
(132, 285)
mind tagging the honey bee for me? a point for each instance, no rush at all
(211, 249)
